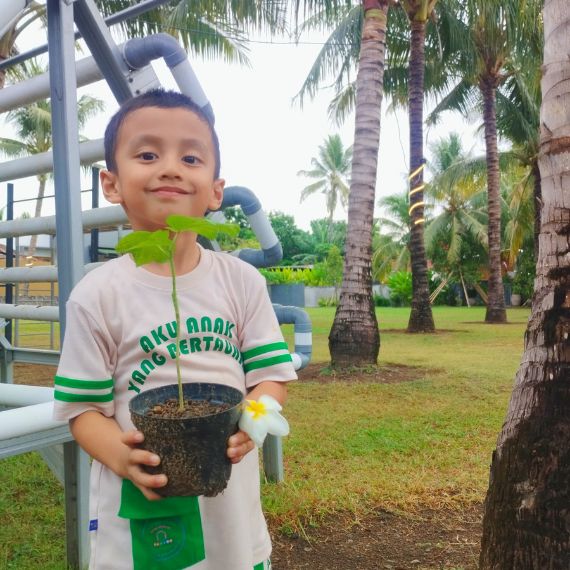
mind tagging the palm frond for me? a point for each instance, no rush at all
(312, 189)
(342, 104)
(12, 148)
(464, 97)
(337, 56)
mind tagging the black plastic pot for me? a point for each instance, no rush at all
(192, 450)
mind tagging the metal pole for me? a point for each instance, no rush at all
(103, 49)
(69, 244)
(94, 249)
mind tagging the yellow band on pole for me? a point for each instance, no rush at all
(416, 171)
(417, 189)
(414, 206)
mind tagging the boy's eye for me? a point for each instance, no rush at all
(191, 159)
(147, 156)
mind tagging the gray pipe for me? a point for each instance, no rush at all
(139, 52)
(271, 251)
(37, 87)
(95, 218)
(303, 332)
(89, 153)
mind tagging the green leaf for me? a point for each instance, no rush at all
(147, 247)
(201, 226)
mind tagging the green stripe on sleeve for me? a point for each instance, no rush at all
(264, 348)
(265, 362)
(83, 384)
(67, 397)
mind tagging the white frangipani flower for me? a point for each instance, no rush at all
(261, 417)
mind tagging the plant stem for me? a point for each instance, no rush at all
(177, 317)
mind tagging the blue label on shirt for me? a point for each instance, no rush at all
(93, 524)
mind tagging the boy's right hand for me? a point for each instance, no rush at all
(133, 461)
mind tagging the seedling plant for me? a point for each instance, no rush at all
(160, 247)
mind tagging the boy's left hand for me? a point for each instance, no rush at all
(239, 445)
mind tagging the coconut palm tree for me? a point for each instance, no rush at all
(526, 509)
(34, 131)
(418, 12)
(331, 171)
(494, 33)
(354, 337)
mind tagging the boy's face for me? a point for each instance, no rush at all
(165, 165)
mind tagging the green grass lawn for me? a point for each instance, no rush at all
(422, 443)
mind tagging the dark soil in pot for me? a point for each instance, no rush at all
(192, 447)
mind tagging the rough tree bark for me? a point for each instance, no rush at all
(421, 317)
(527, 510)
(496, 312)
(354, 338)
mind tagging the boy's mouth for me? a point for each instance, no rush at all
(168, 191)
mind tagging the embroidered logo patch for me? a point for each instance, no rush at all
(166, 537)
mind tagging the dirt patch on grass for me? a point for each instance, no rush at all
(383, 374)
(383, 540)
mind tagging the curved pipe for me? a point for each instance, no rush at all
(303, 332)
(139, 52)
(271, 251)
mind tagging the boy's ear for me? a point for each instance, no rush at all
(217, 194)
(109, 184)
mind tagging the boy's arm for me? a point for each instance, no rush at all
(276, 389)
(240, 443)
(102, 438)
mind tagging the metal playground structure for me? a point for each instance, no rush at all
(26, 422)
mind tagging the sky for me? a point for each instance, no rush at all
(266, 138)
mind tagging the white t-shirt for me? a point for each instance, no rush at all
(120, 340)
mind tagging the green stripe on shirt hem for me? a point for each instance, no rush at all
(265, 348)
(265, 362)
(83, 384)
(66, 397)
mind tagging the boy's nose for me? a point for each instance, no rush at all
(171, 167)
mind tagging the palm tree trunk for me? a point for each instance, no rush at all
(526, 511)
(496, 312)
(421, 318)
(354, 338)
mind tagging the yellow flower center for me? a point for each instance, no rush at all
(256, 409)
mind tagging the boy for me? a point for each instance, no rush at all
(162, 157)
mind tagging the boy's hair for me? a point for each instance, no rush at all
(163, 100)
